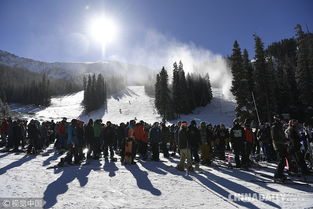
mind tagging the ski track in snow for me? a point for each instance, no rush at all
(133, 102)
(103, 184)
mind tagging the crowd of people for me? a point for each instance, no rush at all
(198, 144)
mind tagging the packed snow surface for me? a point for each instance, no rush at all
(105, 184)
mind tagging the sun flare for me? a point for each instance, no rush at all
(103, 29)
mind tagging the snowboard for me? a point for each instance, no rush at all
(128, 151)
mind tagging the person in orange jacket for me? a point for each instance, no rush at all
(141, 139)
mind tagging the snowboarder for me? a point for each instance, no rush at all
(128, 153)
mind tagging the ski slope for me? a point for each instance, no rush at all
(105, 184)
(126, 105)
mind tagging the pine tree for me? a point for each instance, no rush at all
(304, 73)
(264, 82)
(165, 105)
(240, 83)
(183, 91)
(176, 90)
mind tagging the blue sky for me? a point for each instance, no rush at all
(58, 30)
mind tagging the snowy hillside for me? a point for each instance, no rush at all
(74, 70)
(128, 104)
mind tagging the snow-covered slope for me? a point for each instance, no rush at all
(74, 70)
(129, 104)
(105, 184)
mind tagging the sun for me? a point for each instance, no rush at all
(103, 30)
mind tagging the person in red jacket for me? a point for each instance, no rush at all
(4, 130)
(247, 145)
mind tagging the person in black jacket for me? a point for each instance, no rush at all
(237, 137)
(109, 138)
(195, 142)
(17, 135)
(280, 145)
(89, 135)
(33, 135)
(294, 147)
(184, 147)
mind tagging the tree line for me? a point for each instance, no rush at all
(183, 95)
(278, 80)
(21, 86)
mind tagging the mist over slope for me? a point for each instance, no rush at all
(77, 70)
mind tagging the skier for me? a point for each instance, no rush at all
(165, 139)
(247, 145)
(194, 135)
(223, 138)
(237, 136)
(109, 137)
(184, 147)
(4, 129)
(140, 140)
(17, 135)
(294, 146)
(72, 142)
(280, 145)
(155, 137)
(97, 129)
(90, 141)
(204, 147)
(33, 135)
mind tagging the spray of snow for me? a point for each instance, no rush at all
(157, 50)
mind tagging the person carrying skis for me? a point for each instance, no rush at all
(237, 137)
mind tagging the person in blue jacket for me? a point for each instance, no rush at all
(72, 142)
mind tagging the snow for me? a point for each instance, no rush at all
(104, 184)
(133, 103)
